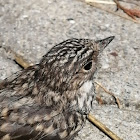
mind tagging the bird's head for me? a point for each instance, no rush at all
(71, 63)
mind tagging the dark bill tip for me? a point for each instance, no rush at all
(104, 42)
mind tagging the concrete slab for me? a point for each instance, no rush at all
(32, 28)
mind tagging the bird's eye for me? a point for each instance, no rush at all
(88, 66)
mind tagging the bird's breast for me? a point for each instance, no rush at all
(85, 97)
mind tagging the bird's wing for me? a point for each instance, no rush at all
(23, 118)
(34, 123)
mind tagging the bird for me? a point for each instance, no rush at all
(50, 100)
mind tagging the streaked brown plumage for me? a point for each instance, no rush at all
(51, 99)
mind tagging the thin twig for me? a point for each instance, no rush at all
(130, 12)
(116, 99)
(101, 1)
(100, 101)
(99, 7)
(103, 127)
(19, 59)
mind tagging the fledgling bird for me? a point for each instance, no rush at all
(50, 100)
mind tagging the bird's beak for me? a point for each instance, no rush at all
(104, 42)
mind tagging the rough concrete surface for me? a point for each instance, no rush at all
(32, 27)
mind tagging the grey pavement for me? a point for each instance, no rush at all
(32, 27)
